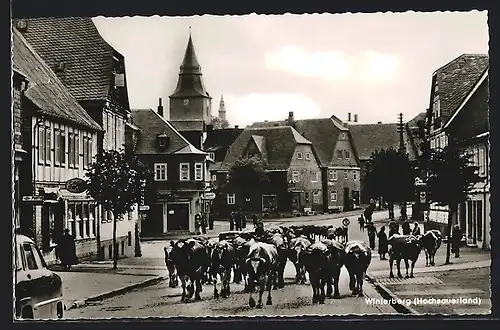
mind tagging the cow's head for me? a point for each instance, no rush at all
(221, 248)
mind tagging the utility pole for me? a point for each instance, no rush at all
(401, 127)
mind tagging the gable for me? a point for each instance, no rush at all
(343, 152)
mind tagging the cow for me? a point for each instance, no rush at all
(262, 267)
(191, 260)
(335, 262)
(221, 264)
(316, 259)
(430, 242)
(173, 279)
(242, 247)
(280, 243)
(295, 250)
(358, 257)
(406, 247)
(337, 234)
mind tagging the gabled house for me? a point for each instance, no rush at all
(469, 127)
(180, 175)
(60, 138)
(336, 155)
(291, 166)
(450, 86)
(94, 73)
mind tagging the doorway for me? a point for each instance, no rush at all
(347, 200)
(153, 224)
(178, 217)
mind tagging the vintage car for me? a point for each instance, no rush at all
(38, 290)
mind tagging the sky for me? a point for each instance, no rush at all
(373, 65)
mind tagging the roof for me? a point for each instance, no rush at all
(322, 132)
(75, 41)
(371, 137)
(420, 117)
(456, 79)
(190, 83)
(221, 138)
(45, 90)
(280, 143)
(152, 125)
(188, 125)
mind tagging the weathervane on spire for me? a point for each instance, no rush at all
(190, 30)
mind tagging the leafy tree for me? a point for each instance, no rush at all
(450, 178)
(117, 181)
(247, 175)
(219, 123)
(390, 174)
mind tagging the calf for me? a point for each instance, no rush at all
(222, 259)
(297, 247)
(358, 257)
(316, 262)
(173, 279)
(406, 247)
(262, 269)
(430, 242)
(336, 259)
(280, 243)
(191, 260)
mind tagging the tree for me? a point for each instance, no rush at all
(117, 180)
(247, 175)
(450, 178)
(390, 174)
(219, 123)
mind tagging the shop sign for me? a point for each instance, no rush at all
(208, 195)
(33, 199)
(76, 185)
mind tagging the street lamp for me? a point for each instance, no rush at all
(421, 197)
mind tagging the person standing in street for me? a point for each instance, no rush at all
(211, 221)
(406, 227)
(67, 250)
(231, 220)
(416, 229)
(361, 222)
(203, 223)
(368, 213)
(197, 224)
(393, 228)
(372, 232)
(456, 240)
(382, 243)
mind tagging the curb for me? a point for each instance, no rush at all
(116, 292)
(389, 295)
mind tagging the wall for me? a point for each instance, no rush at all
(114, 125)
(337, 183)
(198, 109)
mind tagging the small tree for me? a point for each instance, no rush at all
(390, 174)
(117, 180)
(247, 175)
(451, 176)
(219, 123)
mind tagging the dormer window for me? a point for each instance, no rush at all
(163, 140)
(299, 155)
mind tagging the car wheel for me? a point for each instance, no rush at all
(27, 313)
(60, 310)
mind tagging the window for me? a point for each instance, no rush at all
(87, 151)
(482, 158)
(44, 145)
(333, 196)
(77, 150)
(184, 171)
(71, 219)
(48, 145)
(299, 155)
(354, 175)
(92, 217)
(345, 174)
(59, 146)
(71, 149)
(308, 156)
(198, 171)
(29, 254)
(231, 199)
(160, 172)
(214, 177)
(79, 219)
(333, 175)
(316, 197)
(211, 155)
(295, 176)
(315, 177)
(339, 154)
(347, 154)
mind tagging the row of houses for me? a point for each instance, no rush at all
(458, 110)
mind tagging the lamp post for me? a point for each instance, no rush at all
(421, 199)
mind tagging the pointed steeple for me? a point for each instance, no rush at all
(190, 83)
(222, 108)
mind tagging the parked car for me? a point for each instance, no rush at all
(38, 290)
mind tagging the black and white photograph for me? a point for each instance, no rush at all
(251, 165)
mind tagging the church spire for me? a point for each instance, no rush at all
(222, 108)
(190, 83)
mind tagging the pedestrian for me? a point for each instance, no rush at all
(368, 213)
(255, 219)
(456, 240)
(237, 219)
(361, 222)
(393, 228)
(406, 227)
(372, 232)
(231, 220)
(416, 229)
(211, 221)
(203, 223)
(259, 229)
(67, 250)
(197, 224)
(382, 243)
(243, 219)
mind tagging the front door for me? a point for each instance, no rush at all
(177, 217)
(347, 200)
(153, 224)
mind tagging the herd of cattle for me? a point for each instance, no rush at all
(258, 260)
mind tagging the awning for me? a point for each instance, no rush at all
(64, 194)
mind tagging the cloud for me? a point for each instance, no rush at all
(298, 62)
(245, 110)
(378, 66)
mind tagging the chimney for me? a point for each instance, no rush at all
(355, 117)
(22, 25)
(379, 122)
(59, 70)
(236, 126)
(348, 116)
(160, 107)
(290, 120)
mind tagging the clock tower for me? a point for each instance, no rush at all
(190, 104)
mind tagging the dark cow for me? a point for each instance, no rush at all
(316, 261)
(262, 269)
(358, 257)
(192, 262)
(430, 242)
(280, 243)
(222, 259)
(406, 247)
(335, 262)
(173, 279)
(242, 247)
(337, 234)
(295, 250)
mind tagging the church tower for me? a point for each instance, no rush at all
(190, 104)
(222, 109)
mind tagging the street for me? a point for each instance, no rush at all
(161, 301)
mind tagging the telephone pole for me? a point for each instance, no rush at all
(401, 127)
